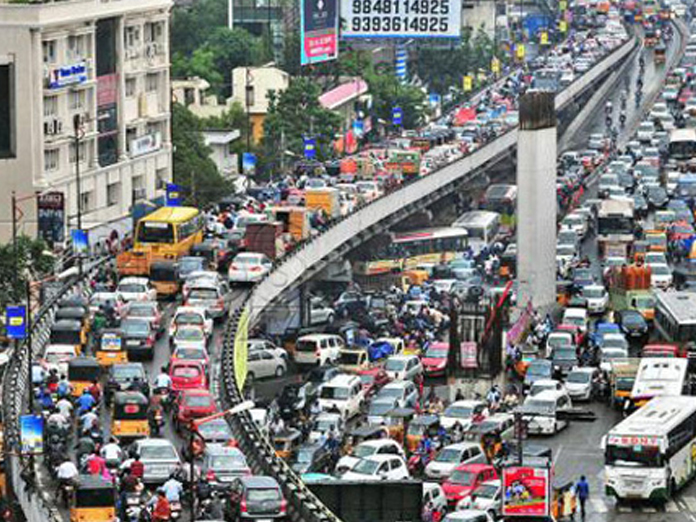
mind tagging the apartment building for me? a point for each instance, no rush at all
(84, 101)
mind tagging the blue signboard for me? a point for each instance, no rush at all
(173, 195)
(310, 148)
(31, 433)
(248, 163)
(434, 100)
(16, 322)
(80, 242)
(397, 115)
(358, 128)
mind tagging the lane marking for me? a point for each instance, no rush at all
(690, 503)
(671, 507)
(599, 505)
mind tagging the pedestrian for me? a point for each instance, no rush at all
(583, 491)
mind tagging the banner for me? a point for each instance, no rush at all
(51, 217)
(397, 116)
(310, 148)
(468, 352)
(173, 195)
(318, 31)
(80, 243)
(519, 51)
(241, 349)
(16, 322)
(401, 19)
(31, 433)
(526, 492)
(467, 83)
(495, 65)
(544, 38)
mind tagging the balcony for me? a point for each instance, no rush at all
(148, 56)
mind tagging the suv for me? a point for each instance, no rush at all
(318, 349)
(255, 498)
(343, 393)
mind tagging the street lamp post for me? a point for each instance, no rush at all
(76, 143)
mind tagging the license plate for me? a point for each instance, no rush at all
(132, 343)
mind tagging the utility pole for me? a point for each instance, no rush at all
(30, 351)
(249, 89)
(78, 190)
(15, 252)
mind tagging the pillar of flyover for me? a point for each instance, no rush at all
(536, 200)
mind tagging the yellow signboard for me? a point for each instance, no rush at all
(468, 83)
(520, 51)
(544, 38)
(563, 5)
(495, 65)
(241, 349)
(563, 26)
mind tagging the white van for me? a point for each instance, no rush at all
(344, 393)
(541, 412)
(318, 349)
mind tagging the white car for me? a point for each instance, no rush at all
(655, 258)
(645, 131)
(581, 383)
(451, 456)
(404, 393)
(367, 449)
(486, 497)
(318, 349)
(541, 412)
(160, 458)
(99, 299)
(190, 337)
(320, 312)
(136, 289)
(369, 190)
(344, 393)
(264, 363)
(542, 385)
(190, 316)
(379, 467)
(434, 495)
(324, 423)
(576, 317)
(597, 298)
(403, 367)
(56, 357)
(469, 515)
(248, 267)
(462, 413)
(660, 276)
(263, 344)
(608, 355)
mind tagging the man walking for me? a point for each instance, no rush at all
(583, 491)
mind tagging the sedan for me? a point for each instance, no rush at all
(136, 289)
(660, 276)
(249, 267)
(222, 464)
(378, 467)
(139, 338)
(435, 359)
(189, 337)
(148, 311)
(160, 459)
(632, 323)
(190, 405)
(403, 367)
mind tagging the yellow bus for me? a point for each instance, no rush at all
(165, 235)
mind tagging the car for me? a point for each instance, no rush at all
(215, 431)
(189, 264)
(404, 392)
(577, 317)
(541, 412)
(320, 312)
(190, 405)
(486, 497)
(344, 393)
(378, 467)
(159, 457)
(403, 367)
(318, 349)
(189, 337)
(453, 455)
(385, 446)
(204, 278)
(324, 423)
(463, 413)
(434, 495)
(221, 465)
(582, 383)
(645, 131)
(265, 363)
(190, 315)
(138, 338)
(596, 297)
(632, 324)
(210, 297)
(264, 344)
(191, 353)
(256, 498)
(56, 358)
(469, 515)
(465, 479)
(350, 303)
(435, 359)
(564, 359)
(661, 276)
(101, 299)
(657, 197)
(121, 375)
(543, 385)
(136, 289)
(249, 267)
(559, 339)
(378, 409)
(538, 369)
(147, 311)
(373, 379)
(187, 375)
(313, 458)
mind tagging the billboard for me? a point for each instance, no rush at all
(16, 322)
(318, 31)
(402, 19)
(51, 217)
(31, 433)
(526, 492)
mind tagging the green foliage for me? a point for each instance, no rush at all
(388, 92)
(294, 113)
(32, 260)
(192, 25)
(194, 171)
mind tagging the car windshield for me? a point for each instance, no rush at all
(660, 270)
(380, 407)
(559, 341)
(189, 334)
(199, 401)
(189, 318)
(538, 406)
(437, 351)
(613, 353)
(391, 392)
(395, 365)
(189, 354)
(135, 328)
(565, 354)
(485, 491)
(208, 294)
(187, 372)
(132, 288)
(230, 461)
(364, 450)
(578, 377)
(449, 455)
(215, 430)
(539, 369)
(351, 358)
(191, 264)
(593, 293)
(335, 392)
(463, 477)
(461, 412)
(163, 452)
(263, 494)
(126, 372)
(614, 342)
(141, 311)
(247, 260)
(632, 319)
(366, 467)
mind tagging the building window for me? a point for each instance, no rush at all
(83, 152)
(152, 82)
(161, 179)
(51, 159)
(131, 134)
(131, 85)
(87, 201)
(113, 191)
(78, 100)
(250, 98)
(77, 47)
(49, 51)
(50, 106)
(154, 32)
(132, 40)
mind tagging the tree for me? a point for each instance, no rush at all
(388, 92)
(194, 171)
(33, 260)
(192, 25)
(201, 64)
(293, 114)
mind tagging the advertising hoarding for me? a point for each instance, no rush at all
(526, 491)
(318, 31)
(51, 217)
(401, 19)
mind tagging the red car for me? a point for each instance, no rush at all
(373, 379)
(465, 479)
(578, 335)
(187, 375)
(192, 404)
(435, 359)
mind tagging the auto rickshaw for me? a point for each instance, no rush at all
(93, 500)
(419, 426)
(208, 250)
(564, 503)
(164, 277)
(363, 433)
(287, 442)
(397, 421)
(77, 313)
(129, 415)
(82, 373)
(110, 348)
(68, 332)
(491, 433)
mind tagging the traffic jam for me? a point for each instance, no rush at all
(364, 391)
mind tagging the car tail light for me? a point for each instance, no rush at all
(149, 342)
(283, 506)
(255, 269)
(243, 506)
(210, 475)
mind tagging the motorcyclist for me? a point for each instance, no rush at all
(173, 489)
(608, 107)
(112, 453)
(163, 381)
(67, 473)
(163, 510)
(85, 402)
(57, 423)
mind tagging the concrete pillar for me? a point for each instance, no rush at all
(536, 200)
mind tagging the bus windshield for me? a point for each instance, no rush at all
(637, 456)
(615, 225)
(155, 232)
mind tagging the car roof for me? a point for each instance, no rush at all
(219, 449)
(189, 309)
(462, 445)
(467, 402)
(255, 481)
(546, 381)
(381, 458)
(378, 442)
(474, 467)
(550, 395)
(154, 442)
(132, 279)
(343, 379)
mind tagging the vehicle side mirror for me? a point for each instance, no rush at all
(603, 443)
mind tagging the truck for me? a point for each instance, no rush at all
(326, 199)
(265, 238)
(295, 221)
(615, 221)
(621, 378)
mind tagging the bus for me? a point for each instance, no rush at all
(675, 317)
(547, 80)
(164, 235)
(649, 455)
(682, 144)
(686, 186)
(659, 376)
(482, 225)
(410, 249)
(502, 199)
(615, 227)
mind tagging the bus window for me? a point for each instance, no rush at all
(155, 232)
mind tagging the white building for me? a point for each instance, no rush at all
(104, 64)
(220, 142)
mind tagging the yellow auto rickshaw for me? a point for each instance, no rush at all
(110, 348)
(68, 332)
(93, 500)
(419, 426)
(130, 416)
(287, 442)
(164, 277)
(82, 373)
(397, 421)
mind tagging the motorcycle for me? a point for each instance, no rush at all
(67, 487)
(175, 513)
(165, 398)
(157, 422)
(133, 507)
(417, 462)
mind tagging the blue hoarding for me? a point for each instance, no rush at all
(397, 116)
(31, 433)
(173, 195)
(16, 322)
